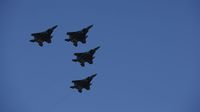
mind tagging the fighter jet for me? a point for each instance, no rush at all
(85, 57)
(78, 36)
(44, 36)
(84, 83)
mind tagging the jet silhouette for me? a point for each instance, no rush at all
(84, 83)
(85, 57)
(78, 36)
(44, 36)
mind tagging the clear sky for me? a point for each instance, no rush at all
(148, 60)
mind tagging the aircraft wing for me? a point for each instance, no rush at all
(38, 34)
(83, 39)
(71, 33)
(77, 81)
(78, 54)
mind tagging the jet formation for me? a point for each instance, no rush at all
(44, 36)
(85, 56)
(78, 36)
(82, 58)
(83, 84)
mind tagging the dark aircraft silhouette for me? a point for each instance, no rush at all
(85, 57)
(84, 83)
(78, 36)
(44, 36)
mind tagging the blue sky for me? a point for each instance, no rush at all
(148, 60)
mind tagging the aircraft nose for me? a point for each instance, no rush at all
(94, 75)
(54, 26)
(91, 26)
(97, 48)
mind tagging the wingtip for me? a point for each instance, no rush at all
(68, 33)
(74, 60)
(31, 41)
(75, 54)
(67, 40)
